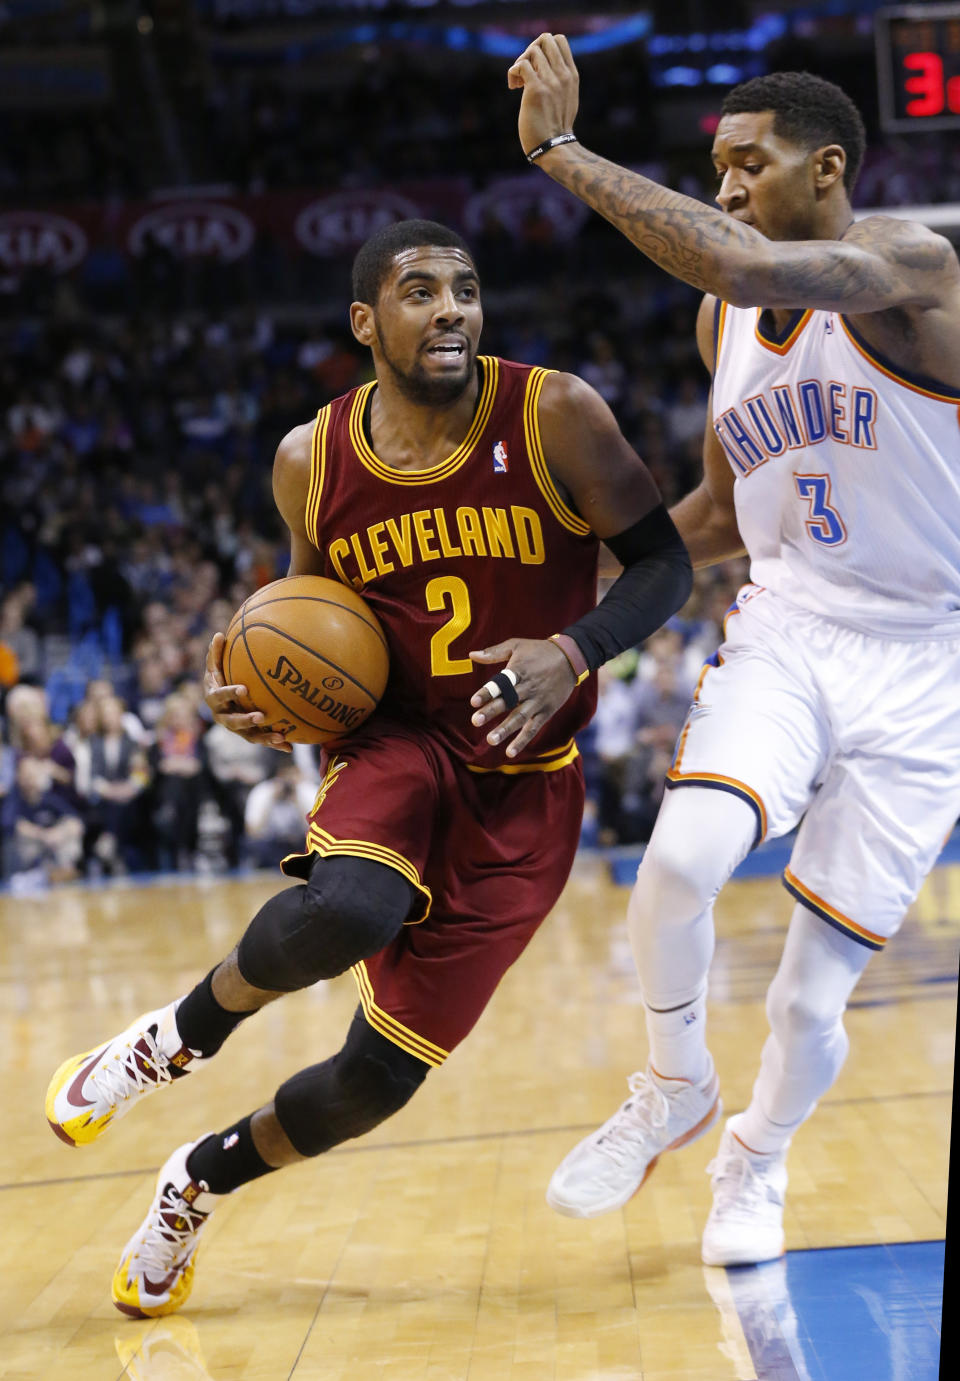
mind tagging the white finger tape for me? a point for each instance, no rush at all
(492, 689)
(510, 674)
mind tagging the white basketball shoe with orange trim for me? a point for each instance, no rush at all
(608, 1167)
(91, 1090)
(155, 1273)
(745, 1225)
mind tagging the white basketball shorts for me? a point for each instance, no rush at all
(857, 736)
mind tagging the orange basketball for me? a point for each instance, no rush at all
(311, 654)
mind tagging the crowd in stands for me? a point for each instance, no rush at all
(145, 785)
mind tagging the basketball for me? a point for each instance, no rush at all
(311, 654)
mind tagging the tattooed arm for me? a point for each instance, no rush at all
(881, 262)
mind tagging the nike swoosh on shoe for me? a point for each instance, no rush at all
(76, 1088)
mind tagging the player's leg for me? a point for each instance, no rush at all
(348, 909)
(801, 1058)
(367, 1081)
(699, 838)
(871, 835)
(747, 760)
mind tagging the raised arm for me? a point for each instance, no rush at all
(880, 263)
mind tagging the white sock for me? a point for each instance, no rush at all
(678, 1040)
(757, 1135)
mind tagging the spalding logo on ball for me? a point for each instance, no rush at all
(312, 655)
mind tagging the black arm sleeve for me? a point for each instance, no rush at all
(656, 581)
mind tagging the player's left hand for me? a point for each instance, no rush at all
(544, 680)
(547, 73)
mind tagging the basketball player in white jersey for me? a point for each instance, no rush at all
(832, 454)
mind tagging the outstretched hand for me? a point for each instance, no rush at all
(544, 680)
(232, 706)
(548, 76)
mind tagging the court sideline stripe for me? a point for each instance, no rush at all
(506, 1134)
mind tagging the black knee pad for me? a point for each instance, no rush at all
(349, 909)
(366, 1082)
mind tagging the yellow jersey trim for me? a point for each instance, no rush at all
(319, 841)
(394, 1030)
(318, 465)
(538, 461)
(490, 370)
(544, 764)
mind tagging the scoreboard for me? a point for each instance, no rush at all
(918, 66)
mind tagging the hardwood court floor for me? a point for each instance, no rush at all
(425, 1252)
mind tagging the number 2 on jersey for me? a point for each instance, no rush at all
(444, 591)
(824, 523)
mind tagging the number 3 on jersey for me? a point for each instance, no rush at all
(449, 591)
(824, 523)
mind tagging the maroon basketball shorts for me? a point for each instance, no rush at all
(489, 853)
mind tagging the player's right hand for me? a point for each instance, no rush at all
(548, 76)
(232, 706)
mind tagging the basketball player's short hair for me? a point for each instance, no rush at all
(807, 110)
(376, 255)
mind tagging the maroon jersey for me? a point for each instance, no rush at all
(458, 557)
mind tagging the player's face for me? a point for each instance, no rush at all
(765, 181)
(428, 320)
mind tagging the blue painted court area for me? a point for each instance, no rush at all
(844, 1313)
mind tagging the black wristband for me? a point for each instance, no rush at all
(557, 139)
(656, 581)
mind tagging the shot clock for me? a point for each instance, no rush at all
(918, 66)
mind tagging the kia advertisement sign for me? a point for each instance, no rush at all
(514, 199)
(40, 239)
(216, 228)
(335, 224)
(195, 229)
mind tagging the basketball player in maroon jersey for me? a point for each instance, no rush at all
(466, 497)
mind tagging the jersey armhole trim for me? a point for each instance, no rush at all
(719, 321)
(538, 463)
(918, 383)
(318, 464)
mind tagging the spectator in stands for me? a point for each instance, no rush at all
(118, 777)
(662, 704)
(47, 832)
(234, 766)
(177, 762)
(71, 752)
(17, 636)
(276, 812)
(24, 705)
(152, 688)
(100, 690)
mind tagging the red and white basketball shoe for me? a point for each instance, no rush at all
(91, 1090)
(155, 1273)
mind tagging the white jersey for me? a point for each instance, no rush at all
(848, 473)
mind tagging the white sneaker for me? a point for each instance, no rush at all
(745, 1225)
(609, 1166)
(155, 1274)
(90, 1090)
